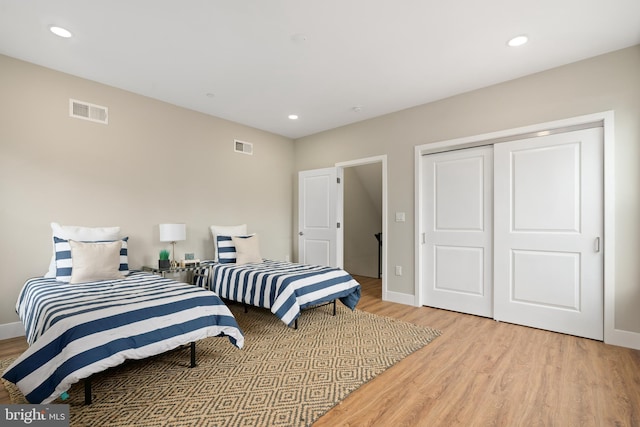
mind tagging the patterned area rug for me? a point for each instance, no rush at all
(282, 377)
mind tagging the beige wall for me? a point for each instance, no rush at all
(153, 163)
(607, 82)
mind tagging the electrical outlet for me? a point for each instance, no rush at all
(398, 270)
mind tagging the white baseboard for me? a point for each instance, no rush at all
(400, 298)
(623, 338)
(11, 330)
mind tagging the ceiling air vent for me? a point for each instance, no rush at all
(242, 147)
(86, 111)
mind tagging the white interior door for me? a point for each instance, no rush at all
(458, 198)
(548, 231)
(317, 217)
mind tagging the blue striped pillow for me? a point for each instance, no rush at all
(200, 276)
(226, 249)
(64, 262)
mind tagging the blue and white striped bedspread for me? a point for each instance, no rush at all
(77, 330)
(283, 287)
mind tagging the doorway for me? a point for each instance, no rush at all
(363, 220)
(368, 177)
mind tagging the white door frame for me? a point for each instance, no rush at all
(359, 162)
(606, 119)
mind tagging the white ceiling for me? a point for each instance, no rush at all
(261, 60)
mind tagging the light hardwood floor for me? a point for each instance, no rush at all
(484, 373)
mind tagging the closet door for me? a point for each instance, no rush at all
(548, 232)
(458, 230)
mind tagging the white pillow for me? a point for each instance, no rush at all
(95, 261)
(86, 234)
(225, 230)
(64, 260)
(247, 249)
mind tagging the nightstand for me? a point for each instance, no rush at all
(172, 270)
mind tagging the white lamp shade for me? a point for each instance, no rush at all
(173, 232)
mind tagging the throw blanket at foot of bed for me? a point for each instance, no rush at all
(77, 330)
(285, 288)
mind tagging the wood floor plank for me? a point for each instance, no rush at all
(480, 372)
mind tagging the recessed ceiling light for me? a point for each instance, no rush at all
(209, 95)
(59, 31)
(293, 116)
(518, 41)
(357, 108)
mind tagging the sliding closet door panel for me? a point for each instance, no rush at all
(458, 230)
(548, 226)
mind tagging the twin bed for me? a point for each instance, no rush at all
(284, 288)
(79, 328)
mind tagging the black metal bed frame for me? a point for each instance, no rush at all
(295, 322)
(87, 381)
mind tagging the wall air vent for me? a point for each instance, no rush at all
(242, 147)
(86, 111)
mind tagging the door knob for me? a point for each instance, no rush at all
(300, 233)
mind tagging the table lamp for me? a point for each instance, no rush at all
(173, 233)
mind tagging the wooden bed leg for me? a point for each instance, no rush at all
(87, 391)
(193, 354)
(334, 307)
